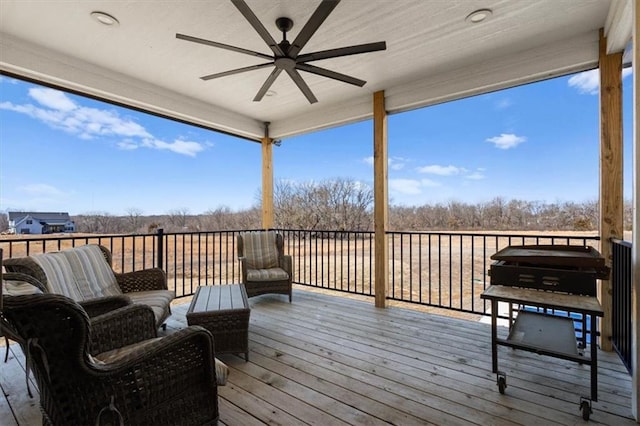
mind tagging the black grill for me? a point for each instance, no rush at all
(561, 268)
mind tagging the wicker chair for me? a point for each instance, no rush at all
(95, 285)
(113, 368)
(265, 267)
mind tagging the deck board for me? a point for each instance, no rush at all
(333, 360)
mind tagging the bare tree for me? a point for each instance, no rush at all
(96, 222)
(134, 219)
(4, 222)
(337, 204)
(178, 219)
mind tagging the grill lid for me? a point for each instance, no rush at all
(555, 256)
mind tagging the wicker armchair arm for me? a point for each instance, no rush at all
(143, 280)
(176, 348)
(18, 276)
(25, 265)
(243, 269)
(165, 371)
(102, 305)
(286, 264)
(122, 327)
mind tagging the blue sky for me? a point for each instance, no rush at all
(538, 142)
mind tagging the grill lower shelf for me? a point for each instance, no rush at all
(545, 333)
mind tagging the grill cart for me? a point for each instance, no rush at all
(541, 280)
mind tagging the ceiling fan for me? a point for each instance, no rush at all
(286, 56)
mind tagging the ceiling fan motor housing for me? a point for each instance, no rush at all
(284, 24)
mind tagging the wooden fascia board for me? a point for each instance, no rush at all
(618, 25)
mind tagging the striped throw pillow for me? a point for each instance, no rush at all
(60, 278)
(93, 274)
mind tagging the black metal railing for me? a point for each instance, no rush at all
(450, 270)
(621, 282)
(332, 260)
(439, 269)
(189, 259)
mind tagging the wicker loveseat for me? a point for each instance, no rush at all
(84, 274)
(112, 369)
(265, 268)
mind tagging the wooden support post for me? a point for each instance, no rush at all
(267, 180)
(381, 199)
(635, 253)
(611, 195)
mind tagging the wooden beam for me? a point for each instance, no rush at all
(611, 196)
(381, 199)
(635, 254)
(267, 183)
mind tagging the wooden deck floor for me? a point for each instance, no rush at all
(330, 360)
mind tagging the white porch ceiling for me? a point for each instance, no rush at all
(433, 54)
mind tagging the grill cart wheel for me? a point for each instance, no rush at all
(585, 407)
(502, 382)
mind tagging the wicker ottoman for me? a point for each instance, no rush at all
(224, 311)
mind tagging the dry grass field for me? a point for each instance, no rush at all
(437, 269)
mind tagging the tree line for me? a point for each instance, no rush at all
(347, 205)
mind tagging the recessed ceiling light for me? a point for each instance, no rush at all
(478, 16)
(105, 19)
(270, 93)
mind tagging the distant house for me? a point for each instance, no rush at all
(40, 223)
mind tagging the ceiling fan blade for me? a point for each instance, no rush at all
(342, 51)
(297, 79)
(267, 84)
(257, 25)
(318, 17)
(331, 74)
(236, 71)
(222, 46)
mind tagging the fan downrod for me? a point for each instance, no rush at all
(284, 25)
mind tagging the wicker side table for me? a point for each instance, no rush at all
(224, 311)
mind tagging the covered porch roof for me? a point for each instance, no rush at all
(434, 54)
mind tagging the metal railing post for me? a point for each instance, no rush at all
(160, 248)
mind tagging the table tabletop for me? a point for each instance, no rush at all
(216, 298)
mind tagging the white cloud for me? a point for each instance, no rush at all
(178, 146)
(504, 103)
(588, 82)
(397, 163)
(59, 111)
(9, 80)
(36, 189)
(441, 170)
(405, 186)
(506, 140)
(394, 163)
(626, 72)
(475, 176)
(410, 186)
(127, 145)
(429, 183)
(53, 99)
